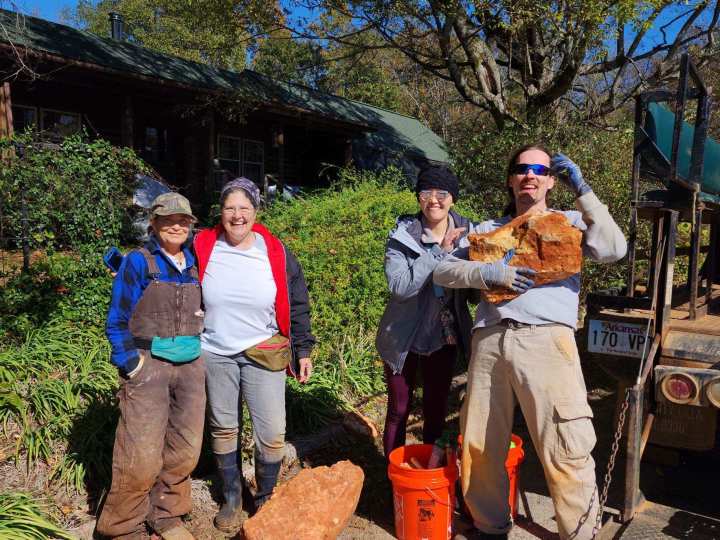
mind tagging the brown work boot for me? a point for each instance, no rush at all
(229, 518)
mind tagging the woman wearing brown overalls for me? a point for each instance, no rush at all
(154, 323)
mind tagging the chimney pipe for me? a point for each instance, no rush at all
(116, 26)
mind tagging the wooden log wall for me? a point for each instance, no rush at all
(6, 119)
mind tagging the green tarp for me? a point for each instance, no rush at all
(659, 126)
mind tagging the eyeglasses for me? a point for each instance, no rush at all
(241, 210)
(523, 168)
(440, 195)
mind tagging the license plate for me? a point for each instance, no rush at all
(619, 338)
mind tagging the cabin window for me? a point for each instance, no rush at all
(59, 124)
(155, 148)
(229, 153)
(253, 160)
(242, 157)
(24, 118)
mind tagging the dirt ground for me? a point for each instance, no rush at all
(373, 519)
(682, 489)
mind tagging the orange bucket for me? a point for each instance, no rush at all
(423, 499)
(513, 461)
(512, 464)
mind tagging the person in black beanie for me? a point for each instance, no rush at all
(440, 178)
(424, 326)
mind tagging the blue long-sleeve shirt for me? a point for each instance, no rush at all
(130, 283)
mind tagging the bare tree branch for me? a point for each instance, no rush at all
(20, 64)
(519, 60)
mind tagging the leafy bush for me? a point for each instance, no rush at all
(25, 518)
(339, 237)
(605, 158)
(71, 287)
(77, 193)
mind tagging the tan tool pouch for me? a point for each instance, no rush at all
(274, 353)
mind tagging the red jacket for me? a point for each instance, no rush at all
(204, 242)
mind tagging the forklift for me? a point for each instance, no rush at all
(659, 337)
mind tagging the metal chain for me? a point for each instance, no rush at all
(611, 462)
(623, 409)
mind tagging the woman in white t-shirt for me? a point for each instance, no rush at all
(257, 324)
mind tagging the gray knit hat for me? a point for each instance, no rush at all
(247, 185)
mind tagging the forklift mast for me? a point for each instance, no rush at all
(660, 336)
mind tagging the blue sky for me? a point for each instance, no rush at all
(52, 9)
(45, 9)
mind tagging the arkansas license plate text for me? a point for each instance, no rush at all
(612, 337)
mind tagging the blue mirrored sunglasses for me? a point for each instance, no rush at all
(523, 168)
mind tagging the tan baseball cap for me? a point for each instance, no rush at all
(171, 203)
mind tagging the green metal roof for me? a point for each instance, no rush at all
(399, 134)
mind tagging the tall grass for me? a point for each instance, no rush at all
(25, 518)
(52, 387)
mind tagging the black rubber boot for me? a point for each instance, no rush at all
(228, 518)
(266, 475)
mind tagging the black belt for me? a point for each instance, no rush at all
(512, 323)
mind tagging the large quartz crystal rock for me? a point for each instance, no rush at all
(545, 242)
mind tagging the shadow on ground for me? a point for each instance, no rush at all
(376, 502)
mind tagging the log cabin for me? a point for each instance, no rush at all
(194, 124)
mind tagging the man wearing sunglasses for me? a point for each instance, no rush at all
(524, 352)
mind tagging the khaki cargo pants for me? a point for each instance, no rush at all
(539, 368)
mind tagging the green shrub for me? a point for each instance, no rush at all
(605, 158)
(339, 237)
(77, 193)
(59, 286)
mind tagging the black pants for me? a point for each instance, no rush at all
(437, 370)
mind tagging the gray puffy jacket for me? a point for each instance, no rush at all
(408, 269)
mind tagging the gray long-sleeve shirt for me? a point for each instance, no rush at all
(603, 241)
